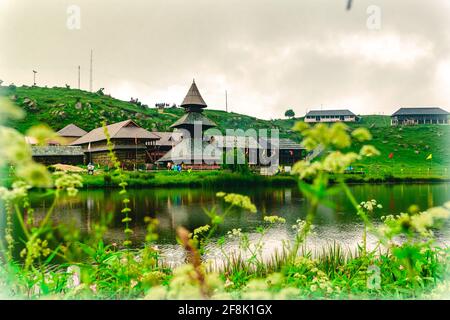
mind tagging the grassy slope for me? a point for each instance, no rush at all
(410, 145)
(56, 107)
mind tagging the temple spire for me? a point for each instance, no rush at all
(193, 100)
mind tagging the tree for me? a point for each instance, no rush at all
(289, 113)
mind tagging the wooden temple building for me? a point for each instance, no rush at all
(132, 145)
(70, 133)
(193, 151)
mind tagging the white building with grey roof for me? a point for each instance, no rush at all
(315, 116)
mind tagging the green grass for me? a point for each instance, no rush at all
(410, 145)
(56, 107)
(186, 179)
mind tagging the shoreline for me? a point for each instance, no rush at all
(226, 179)
(205, 179)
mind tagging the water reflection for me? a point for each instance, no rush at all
(185, 207)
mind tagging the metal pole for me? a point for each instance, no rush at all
(226, 100)
(90, 77)
(79, 75)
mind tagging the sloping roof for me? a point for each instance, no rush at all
(191, 118)
(193, 97)
(234, 142)
(283, 144)
(168, 138)
(190, 150)
(315, 113)
(71, 130)
(127, 129)
(420, 111)
(56, 151)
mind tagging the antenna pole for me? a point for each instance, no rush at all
(79, 75)
(226, 101)
(34, 77)
(90, 75)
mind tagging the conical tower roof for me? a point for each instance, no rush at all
(193, 98)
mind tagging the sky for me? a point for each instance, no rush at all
(269, 56)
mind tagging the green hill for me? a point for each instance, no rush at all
(410, 146)
(58, 107)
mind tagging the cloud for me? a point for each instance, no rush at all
(268, 55)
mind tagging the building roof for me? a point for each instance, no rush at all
(191, 118)
(48, 151)
(71, 130)
(127, 129)
(240, 142)
(190, 150)
(193, 98)
(168, 138)
(420, 111)
(315, 113)
(283, 144)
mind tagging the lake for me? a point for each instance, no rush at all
(185, 207)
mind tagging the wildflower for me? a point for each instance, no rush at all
(42, 133)
(338, 135)
(305, 169)
(18, 191)
(361, 134)
(274, 219)
(241, 201)
(426, 220)
(370, 205)
(369, 151)
(35, 174)
(220, 194)
(299, 226)
(202, 229)
(300, 126)
(9, 110)
(235, 233)
(336, 161)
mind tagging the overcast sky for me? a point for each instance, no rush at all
(269, 55)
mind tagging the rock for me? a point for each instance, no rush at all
(78, 105)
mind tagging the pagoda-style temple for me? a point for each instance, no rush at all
(193, 151)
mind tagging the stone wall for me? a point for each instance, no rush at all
(49, 160)
(127, 158)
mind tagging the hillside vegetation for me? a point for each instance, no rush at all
(59, 107)
(410, 146)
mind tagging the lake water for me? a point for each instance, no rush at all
(185, 207)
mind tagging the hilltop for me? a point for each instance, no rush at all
(58, 107)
